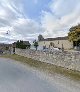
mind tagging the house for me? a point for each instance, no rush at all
(5, 46)
(26, 43)
(59, 42)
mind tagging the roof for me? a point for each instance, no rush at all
(26, 42)
(3, 44)
(58, 38)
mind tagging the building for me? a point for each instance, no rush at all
(59, 42)
(26, 43)
(4, 47)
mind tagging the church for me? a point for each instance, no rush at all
(59, 42)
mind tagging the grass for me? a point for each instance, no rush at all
(45, 66)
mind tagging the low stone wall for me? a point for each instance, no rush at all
(70, 60)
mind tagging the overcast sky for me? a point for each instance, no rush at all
(26, 19)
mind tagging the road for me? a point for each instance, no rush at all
(16, 77)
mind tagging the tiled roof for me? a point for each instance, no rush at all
(26, 42)
(58, 38)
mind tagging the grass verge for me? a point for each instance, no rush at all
(46, 66)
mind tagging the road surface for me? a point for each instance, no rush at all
(15, 77)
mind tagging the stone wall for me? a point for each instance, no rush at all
(70, 60)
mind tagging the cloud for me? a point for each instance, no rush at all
(23, 26)
(19, 26)
(8, 13)
(63, 7)
(55, 21)
(6, 40)
(62, 15)
(27, 28)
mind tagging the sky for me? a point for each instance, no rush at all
(26, 19)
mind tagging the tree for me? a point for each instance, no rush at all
(74, 33)
(23, 44)
(40, 38)
(17, 44)
(36, 44)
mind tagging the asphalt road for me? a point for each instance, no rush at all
(15, 77)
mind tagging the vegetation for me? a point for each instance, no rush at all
(40, 38)
(74, 36)
(74, 33)
(36, 44)
(22, 45)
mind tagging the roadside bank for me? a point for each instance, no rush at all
(47, 67)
